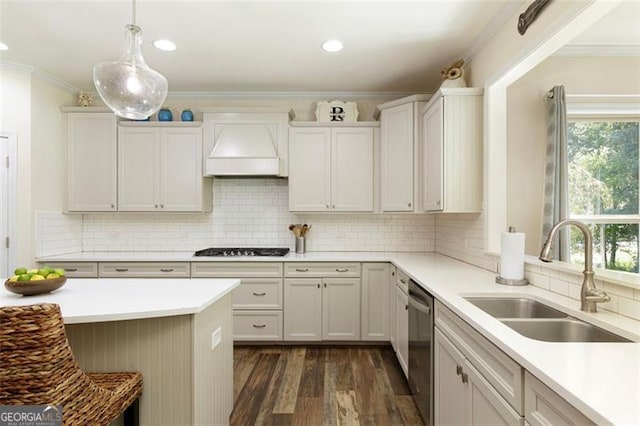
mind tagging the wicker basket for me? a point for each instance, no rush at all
(31, 288)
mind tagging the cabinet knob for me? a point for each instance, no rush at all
(334, 206)
(113, 206)
(166, 269)
(302, 269)
(259, 325)
(259, 294)
(122, 269)
(403, 281)
(458, 370)
(318, 285)
(465, 378)
(409, 205)
(438, 202)
(327, 205)
(325, 285)
(342, 269)
(406, 307)
(162, 206)
(155, 206)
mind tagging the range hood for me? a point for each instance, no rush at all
(246, 142)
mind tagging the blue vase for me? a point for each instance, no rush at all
(165, 115)
(186, 115)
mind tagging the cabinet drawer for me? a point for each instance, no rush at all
(144, 270)
(504, 374)
(258, 293)
(257, 325)
(544, 407)
(321, 269)
(236, 269)
(402, 281)
(76, 269)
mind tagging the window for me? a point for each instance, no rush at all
(603, 157)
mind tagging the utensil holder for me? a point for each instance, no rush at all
(301, 246)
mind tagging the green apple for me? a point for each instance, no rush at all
(20, 271)
(24, 277)
(52, 276)
(59, 271)
(44, 271)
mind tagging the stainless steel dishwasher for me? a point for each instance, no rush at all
(421, 350)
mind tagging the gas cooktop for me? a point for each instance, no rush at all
(242, 251)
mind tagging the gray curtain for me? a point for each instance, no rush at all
(556, 185)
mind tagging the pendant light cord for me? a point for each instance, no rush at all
(134, 11)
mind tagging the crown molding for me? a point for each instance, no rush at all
(598, 51)
(290, 95)
(42, 75)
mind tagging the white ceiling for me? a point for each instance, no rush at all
(390, 46)
(253, 45)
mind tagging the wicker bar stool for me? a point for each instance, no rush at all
(37, 367)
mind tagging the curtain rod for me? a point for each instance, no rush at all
(549, 95)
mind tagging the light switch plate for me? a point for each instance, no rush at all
(216, 337)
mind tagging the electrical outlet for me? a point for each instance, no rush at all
(216, 338)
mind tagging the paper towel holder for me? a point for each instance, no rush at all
(508, 281)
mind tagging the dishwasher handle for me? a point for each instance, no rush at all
(421, 307)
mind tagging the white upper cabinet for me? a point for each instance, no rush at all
(160, 169)
(331, 168)
(399, 133)
(452, 151)
(91, 161)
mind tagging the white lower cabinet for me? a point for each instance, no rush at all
(402, 329)
(375, 301)
(322, 309)
(542, 406)
(462, 395)
(144, 270)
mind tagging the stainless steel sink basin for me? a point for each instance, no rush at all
(539, 321)
(503, 307)
(562, 330)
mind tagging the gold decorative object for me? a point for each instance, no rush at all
(453, 75)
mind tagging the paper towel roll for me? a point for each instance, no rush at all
(512, 256)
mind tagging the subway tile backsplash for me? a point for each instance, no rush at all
(246, 212)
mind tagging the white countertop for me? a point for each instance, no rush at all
(84, 300)
(602, 380)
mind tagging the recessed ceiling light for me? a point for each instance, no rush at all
(166, 45)
(3, 46)
(332, 45)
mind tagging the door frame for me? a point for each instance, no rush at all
(12, 199)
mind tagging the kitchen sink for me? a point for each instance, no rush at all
(514, 307)
(562, 330)
(538, 321)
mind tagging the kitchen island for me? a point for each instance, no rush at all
(163, 328)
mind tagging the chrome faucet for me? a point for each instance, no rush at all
(589, 294)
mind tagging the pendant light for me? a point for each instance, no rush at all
(128, 86)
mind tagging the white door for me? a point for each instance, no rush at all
(402, 330)
(138, 169)
(432, 148)
(8, 191)
(352, 169)
(375, 301)
(181, 176)
(341, 309)
(303, 309)
(397, 142)
(91, 162)
(450, 397)
(309, 169)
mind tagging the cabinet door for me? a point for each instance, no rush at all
(181, 176)
(352, 169)
(485, 405)
(432, 148)
(138, 153)
(91, 162)
(402, 330)
(450, 399)
(309, 169)
(392, 308)
(375, 301)
(396, 162)
(341, 309)
(303, 309)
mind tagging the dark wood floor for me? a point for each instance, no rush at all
(319, 385)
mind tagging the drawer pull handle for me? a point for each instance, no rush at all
(465, 378)
(259, 294)
(122, 269)
(302, 269)
(458, 370)
(342, 269)
(403, 281)
(166, 269)
(406, 307)
(70, 269)
(259, 325)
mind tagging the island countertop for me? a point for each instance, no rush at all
(86, 300)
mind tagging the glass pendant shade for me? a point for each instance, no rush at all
(128, 86)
